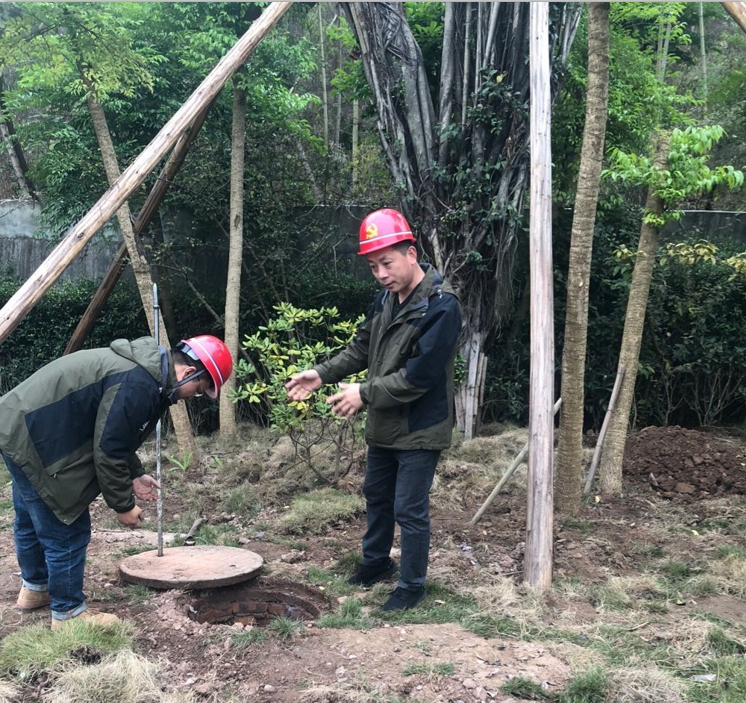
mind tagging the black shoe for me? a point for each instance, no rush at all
(368, 575)
(402, 599)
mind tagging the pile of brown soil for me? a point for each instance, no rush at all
(680, 463)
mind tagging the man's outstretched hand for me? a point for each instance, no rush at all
(303, 384)
(348, 401)
(145, 487)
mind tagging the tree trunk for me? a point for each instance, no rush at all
(140, 267)
(235, 252)
(324, 90)
(610, 470)
(355, 139)
(570, 450)
(15, 164)
(703, 56)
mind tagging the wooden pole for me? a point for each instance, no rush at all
(65, 252)
(737, 10)
(537, 570)
(143, 219)
(506, 476)
(604, 428)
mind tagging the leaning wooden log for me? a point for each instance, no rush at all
(604, 428)
(65, 252)
(143, 219)
(506, 476)
(737, 10)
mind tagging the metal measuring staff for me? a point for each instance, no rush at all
(159, 501)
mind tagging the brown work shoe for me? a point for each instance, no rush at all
(31, 600)
(90, 616)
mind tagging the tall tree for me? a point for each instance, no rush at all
(462, 182)
(678, 170)
(570, 451)
(235, 255)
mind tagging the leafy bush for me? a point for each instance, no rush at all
(294, 341)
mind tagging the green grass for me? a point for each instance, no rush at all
(136, 549)
(334, 584)
(285, 628)
(314, 513)
(246, 638)
(224, 535)
(429, 670)
(6, 505)
(727, 550)
(137, 594)
(242, 501)
(730, 683)
(589, 687)
(583, 526)
(720, 644)
(32, 650)
(676, 571)
(349, 615)
(525, 689)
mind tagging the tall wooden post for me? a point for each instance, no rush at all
(65, 252)
(537, 570)
(737, 10)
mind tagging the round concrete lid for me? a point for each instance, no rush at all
(190, 568)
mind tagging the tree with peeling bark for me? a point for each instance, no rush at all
(570, 450)
(677, 171)
(457, 146)
(92, 54)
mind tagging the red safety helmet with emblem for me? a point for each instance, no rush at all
(383, 228)
(215, 356)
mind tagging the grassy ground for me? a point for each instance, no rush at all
(646, 606)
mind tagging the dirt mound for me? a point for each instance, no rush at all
(685, 464)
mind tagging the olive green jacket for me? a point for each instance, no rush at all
(410, 358)
(74, 425)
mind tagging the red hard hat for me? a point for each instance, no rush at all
(383, 228)
(213, 353)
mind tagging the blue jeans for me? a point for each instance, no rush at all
(50, 553)
(397, 489)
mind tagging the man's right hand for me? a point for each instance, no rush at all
(132, 518)
(303, 384)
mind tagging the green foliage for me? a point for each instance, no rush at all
(43, 334)
(590, 687)
(686, 176)
(525, 689)
(295, 340)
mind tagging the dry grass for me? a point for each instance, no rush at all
(315, 512)
(8, 692)
(624, 592)
(124, 677)
(730, 574)
(503, 597)
(646, 684)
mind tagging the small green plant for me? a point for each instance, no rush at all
(181, 463)
(137, 594)
(295, 340)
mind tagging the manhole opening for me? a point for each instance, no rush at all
(256, 604)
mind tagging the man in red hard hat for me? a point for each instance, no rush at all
(408, 344)
(69, 432)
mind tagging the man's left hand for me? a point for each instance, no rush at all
(145, 487)
(348, 401)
